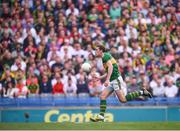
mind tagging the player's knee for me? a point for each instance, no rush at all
(123, 101)
(103, 97)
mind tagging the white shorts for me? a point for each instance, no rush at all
(118, 84)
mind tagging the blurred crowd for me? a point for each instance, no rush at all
(43, 44)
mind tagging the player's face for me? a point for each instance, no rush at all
(98, 52)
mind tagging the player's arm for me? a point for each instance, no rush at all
(107, 75)
(110, 70)
(100, 77)
(103, 76)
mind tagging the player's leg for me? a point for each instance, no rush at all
(121, 96)
(132, 95)
(119, 88)
(105, 93)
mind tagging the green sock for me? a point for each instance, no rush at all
(133, 95)
(102, 107)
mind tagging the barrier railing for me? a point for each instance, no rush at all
(51, 100)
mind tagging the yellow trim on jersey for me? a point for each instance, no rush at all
(113, 61)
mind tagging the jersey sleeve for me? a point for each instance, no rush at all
(106, 57)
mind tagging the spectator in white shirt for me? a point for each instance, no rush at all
(122, 36)
(136, 48)
(157, 86)
(67, 50)
(19, 64)
(171, 90)
(131, 32)
(124, 47)
(72, 10)
(9, 90)
(70, 75)
(70, 88)
(78, 51)
(53, 53)
(97, 33)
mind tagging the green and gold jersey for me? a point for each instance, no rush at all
(115, 74)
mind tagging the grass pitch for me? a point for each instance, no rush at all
(92, 126)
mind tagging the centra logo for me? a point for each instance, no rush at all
(56, 116)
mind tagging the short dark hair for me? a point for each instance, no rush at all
(101, 47)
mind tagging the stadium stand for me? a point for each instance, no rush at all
(43, 44)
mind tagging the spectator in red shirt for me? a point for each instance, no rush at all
(21, 89)
(58, 86)
(30, 49)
